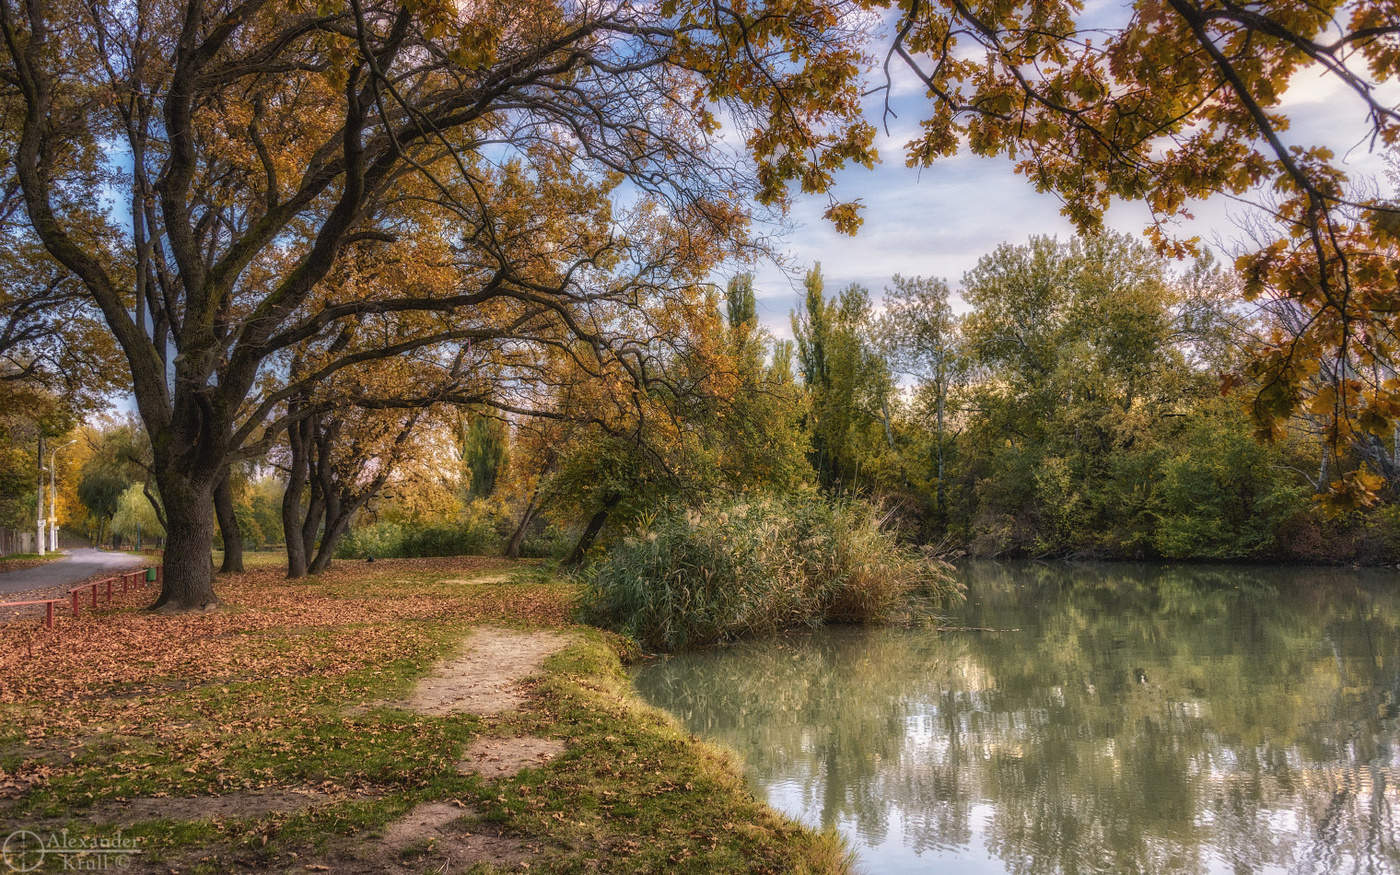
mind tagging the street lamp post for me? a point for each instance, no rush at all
(39, 504)
(53, 495)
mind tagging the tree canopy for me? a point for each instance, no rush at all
(272, 141)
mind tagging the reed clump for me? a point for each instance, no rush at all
(729, 568)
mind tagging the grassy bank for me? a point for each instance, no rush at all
(197, 721)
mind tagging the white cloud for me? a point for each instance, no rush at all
(940, 220)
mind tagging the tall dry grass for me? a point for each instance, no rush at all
(736, 567)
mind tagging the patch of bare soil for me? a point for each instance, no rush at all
(230, 806)
(485, 678)
(494, 758)
(485, 578)
(439, 837)
(433, 837)
(450, 840)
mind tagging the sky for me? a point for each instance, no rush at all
(938, 221)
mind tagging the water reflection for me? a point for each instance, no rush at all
(1141, 719)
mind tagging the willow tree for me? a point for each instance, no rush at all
(264, 139)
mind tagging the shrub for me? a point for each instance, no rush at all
(476, 532)
(730, 568)
(551, 542)
(1224, 495)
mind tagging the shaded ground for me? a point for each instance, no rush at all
(442, 837)
(77, 566)
(251, 803)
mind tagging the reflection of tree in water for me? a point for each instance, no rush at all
(1144, 719)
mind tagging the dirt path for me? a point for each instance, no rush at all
(445, 836)
(496, 758)
(485, 678)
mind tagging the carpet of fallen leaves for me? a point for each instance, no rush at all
(204, 717)
(21, 564)
(351, 617)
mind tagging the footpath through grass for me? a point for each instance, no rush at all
(256, 737)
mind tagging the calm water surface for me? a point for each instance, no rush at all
(1138, 719)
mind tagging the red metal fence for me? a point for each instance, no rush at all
(99, 589)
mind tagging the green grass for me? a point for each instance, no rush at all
(634, 783)
(254, 559)
(278, 698)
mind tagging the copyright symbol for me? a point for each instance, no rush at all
(23, 851)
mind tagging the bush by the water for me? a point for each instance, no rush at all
(739, 567)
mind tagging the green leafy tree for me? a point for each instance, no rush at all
(1223, 494)
(1078, 378)
(117, 461)
(756, 427)
(848, 387)
(137, 516)
(483, 446)
(921, 336)
(1168, 103)
(100, 490)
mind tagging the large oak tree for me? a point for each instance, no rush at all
(256, 142)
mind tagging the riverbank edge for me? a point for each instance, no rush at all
(631, 788)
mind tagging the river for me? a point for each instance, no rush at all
(1081, 718)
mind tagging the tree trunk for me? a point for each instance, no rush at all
(885, 420)
(291, 502)
(942, 505)
(228, 528)
(311, 523)
(315, 501)
(188, 566)
(590, 531)
(338, 514)
(517, 537)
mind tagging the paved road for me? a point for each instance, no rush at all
(78, 565)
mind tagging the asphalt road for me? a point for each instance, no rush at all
(76, 566)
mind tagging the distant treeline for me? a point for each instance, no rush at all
(1065, 400)
(1068, 401)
